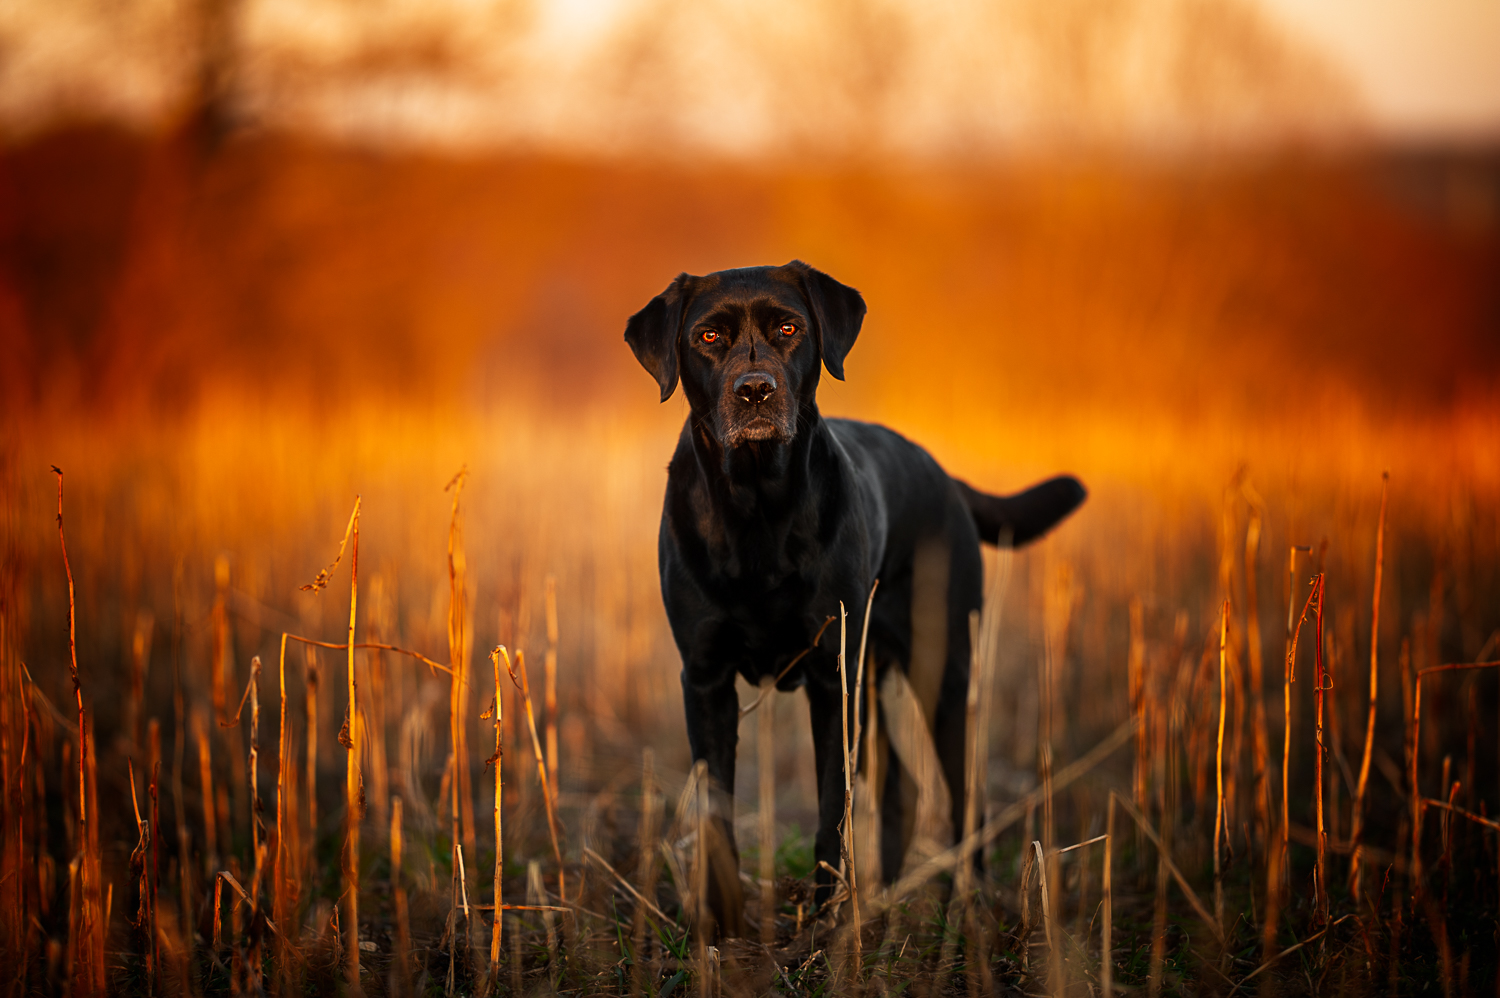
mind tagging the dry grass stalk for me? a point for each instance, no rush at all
(1106, 935)
(1057, 609)
(515, 953)
(253, 763)
(15, 710)
(872, 767)
(1356, 837)
(1028, 914)
(140, 866)
(1321, 887)
(218, 937)
(310, 681)
(1269, 928)
(89, 955)
(496, 712)
(179, 798)
(518, 677)
(153, 749)
(1332, 664)
(354, 792)
(252, 692)
(549, 684)
(1135, 671)
(851, 746)
(961, 908)
(700, 873)
(99, 903)
(1447, 835)
(1413, 784)
(283, 896)
(984, 640)
(766, 750)
(401, 959)
(219, 622)
(450, 929)
(140, 660)
(462, 799)
(1054, 981)
(1414, 749)
(349, 737)
(1286, 701)
(1260, 746)
(206, 794)
(646, 870)
(1219, 773)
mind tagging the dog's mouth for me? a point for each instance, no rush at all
(761, 429)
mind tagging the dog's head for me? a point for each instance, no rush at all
(746, 345)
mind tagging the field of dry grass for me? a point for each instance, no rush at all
(222, 354)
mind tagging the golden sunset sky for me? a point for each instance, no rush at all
(956, 77)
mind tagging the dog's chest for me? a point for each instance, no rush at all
(764, 591)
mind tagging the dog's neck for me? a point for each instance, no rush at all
(758, 480)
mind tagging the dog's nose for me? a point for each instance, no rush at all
(754, 387)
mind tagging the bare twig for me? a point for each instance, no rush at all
(1289, 950)
(1452, 809)
(1081, 845)
(1182, 882)
(377, 645)
(225, 876)
(961, 853)
(326, 575)
(782, 674)
(591, 854)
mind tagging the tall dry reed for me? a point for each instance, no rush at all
(88, 956)
(1356, 836)
(495, 712)
(1219, 772)
(1321, 751)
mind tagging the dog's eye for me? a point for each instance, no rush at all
(709, 335)
(788, 329)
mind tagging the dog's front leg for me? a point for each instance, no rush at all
(713, 717)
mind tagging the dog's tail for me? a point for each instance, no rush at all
(1027, 514)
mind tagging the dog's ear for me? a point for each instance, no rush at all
(653, 332)
(838, 312)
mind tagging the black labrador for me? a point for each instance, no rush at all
(774, 515)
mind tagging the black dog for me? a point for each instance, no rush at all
(774, 515)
